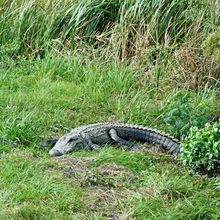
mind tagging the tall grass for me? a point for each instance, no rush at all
(125, 28)
(161, 38)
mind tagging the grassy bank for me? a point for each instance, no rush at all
(41, 98)
(107, 185)
(70, 63)
(63, 92)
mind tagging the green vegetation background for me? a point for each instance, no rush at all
(68, 63)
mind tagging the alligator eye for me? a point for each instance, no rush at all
(72, 139)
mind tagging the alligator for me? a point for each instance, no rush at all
(94, 135)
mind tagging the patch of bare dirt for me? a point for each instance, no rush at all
(150, 148)
(112, 169)
(100, 193)
(75, 167)
(105, 188)
(78, 167)
(106, 200)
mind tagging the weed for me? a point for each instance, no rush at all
(200, 150)
(183, 114)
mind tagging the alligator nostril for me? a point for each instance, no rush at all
(54, 152)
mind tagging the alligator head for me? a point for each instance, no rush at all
(66, 144)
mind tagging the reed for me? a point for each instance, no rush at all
(123, 28)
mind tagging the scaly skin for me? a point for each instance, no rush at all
(91, 136)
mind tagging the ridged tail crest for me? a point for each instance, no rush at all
(146, 134)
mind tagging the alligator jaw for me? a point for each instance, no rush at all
(54, 152)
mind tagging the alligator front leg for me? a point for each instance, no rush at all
(113, 134)
(88, 142)
(49, 142)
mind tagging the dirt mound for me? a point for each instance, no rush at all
(74, 167)
(112, 169)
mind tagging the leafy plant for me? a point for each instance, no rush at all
(212, 45)
(201, 149)
(184, 113)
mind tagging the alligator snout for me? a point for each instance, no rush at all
(55, 152)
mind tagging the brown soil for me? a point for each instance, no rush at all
(100, 198)
(103, 185)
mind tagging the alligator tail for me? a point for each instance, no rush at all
(146, 134)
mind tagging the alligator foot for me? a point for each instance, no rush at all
(135, 147)
(95, 147)
(88, 142)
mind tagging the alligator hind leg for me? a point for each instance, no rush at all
(88, 142)
(113, 134)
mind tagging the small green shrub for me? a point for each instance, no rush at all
(184, 111)
(212, 45)
(201, 149)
